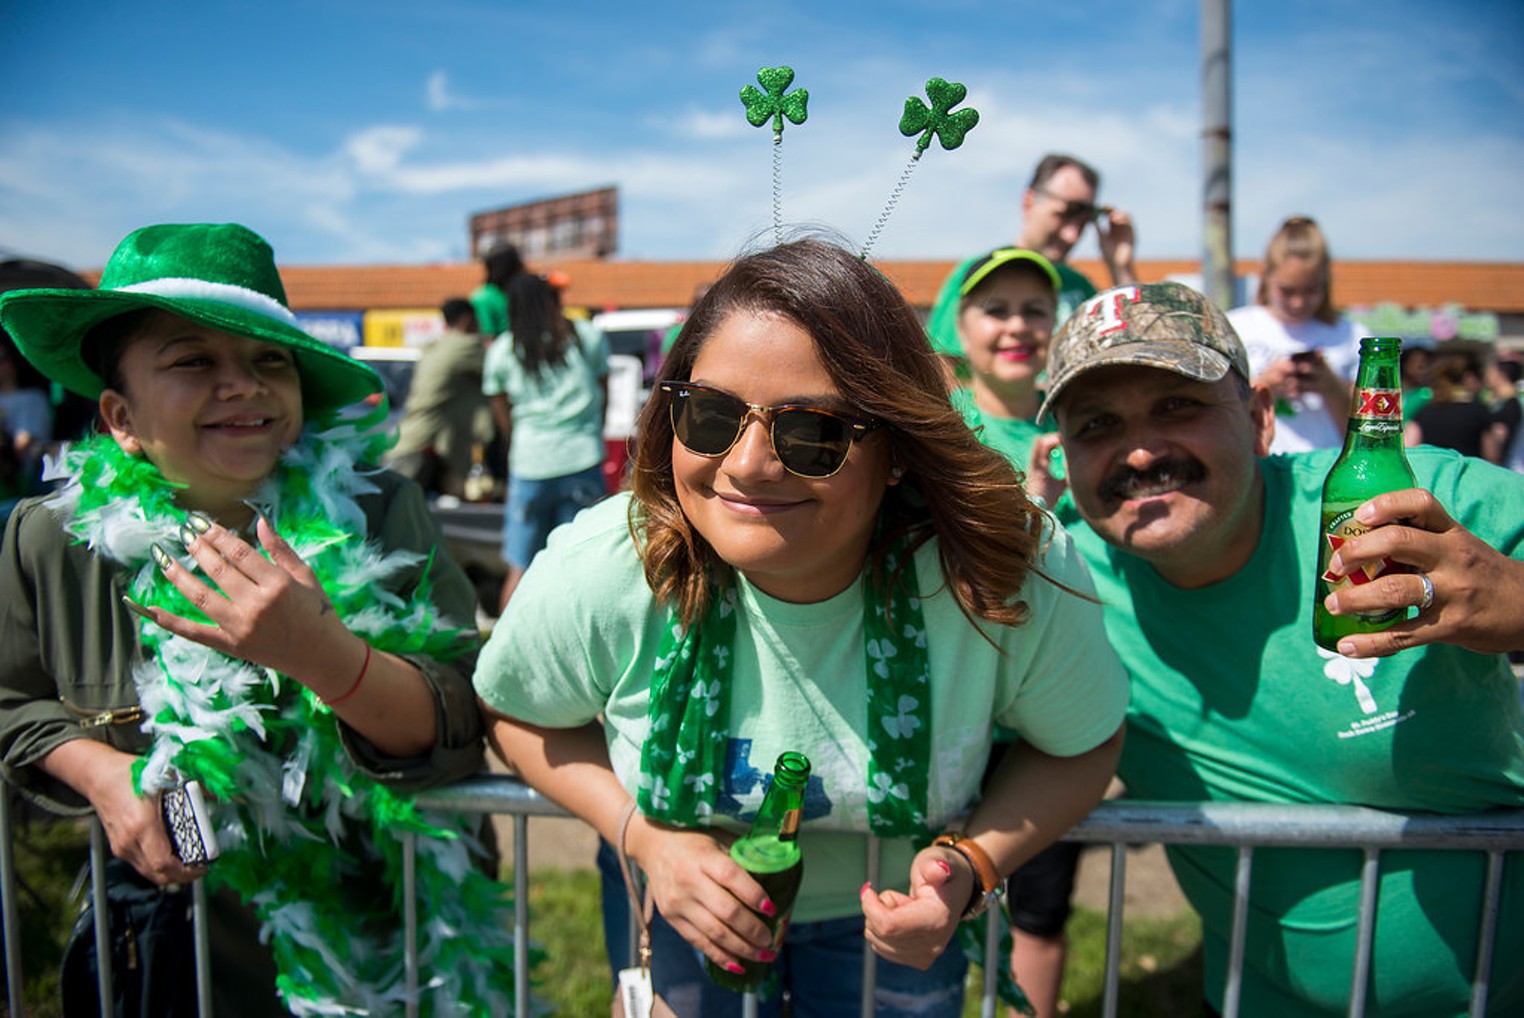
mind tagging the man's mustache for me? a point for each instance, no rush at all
(1125, 482)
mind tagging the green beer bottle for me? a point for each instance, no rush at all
(1371, 463)
(770, 853)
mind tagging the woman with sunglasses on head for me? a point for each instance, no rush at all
(817, 555)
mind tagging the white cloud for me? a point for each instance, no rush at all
(378, 151)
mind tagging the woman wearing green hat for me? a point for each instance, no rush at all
(219, 591)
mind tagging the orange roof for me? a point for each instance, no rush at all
(597, 284)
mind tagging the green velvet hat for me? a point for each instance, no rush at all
(220, 275)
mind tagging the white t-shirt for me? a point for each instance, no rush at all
(580, 637)
(1302, 423)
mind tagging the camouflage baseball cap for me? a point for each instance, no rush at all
(1154, 325)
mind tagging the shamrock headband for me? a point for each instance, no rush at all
(938, 120)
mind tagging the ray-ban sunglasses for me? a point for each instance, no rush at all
(808, 440)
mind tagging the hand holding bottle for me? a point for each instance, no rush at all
(704, 894)
(1478, 593)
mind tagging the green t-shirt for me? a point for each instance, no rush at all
(580, 637)
(1233, 701)
(491, 305)
(1013, 438)
(558, 416)
(942, 324)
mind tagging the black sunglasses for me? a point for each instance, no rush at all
(1076, 211)
(808, 440)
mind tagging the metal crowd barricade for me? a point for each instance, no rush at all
(1245, 826)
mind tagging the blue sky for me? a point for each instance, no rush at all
(354, 133)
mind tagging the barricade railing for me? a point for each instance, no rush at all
(1119, 824)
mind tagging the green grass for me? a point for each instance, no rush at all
(1160, 978)
(49, 855)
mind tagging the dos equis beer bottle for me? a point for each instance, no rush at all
(1372, 463)
(770, 853)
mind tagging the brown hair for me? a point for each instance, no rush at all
(1051, 163)
(875, 350)
(1300, 238)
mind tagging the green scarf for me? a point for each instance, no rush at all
(682, 761)
(296, 819)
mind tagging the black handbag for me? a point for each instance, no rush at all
(153, 959)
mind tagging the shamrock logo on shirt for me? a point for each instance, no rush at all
(1349, 671)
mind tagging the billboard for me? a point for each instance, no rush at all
(584, 225)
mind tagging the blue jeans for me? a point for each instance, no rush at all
(536, 507)
(819, 969)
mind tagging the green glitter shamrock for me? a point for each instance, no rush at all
(950, 128)
(777, 102)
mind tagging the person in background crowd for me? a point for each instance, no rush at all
(1008, 300)
(1300, 347)
(1417, 366)
(1204, 553)
(503, 264)
(221, 590)
(1458, 416)
(26, 418)
(446, 415)
(546, 379)
(817, 555)
(1057, 206)
(1511, 369)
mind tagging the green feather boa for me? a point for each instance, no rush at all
(308, 840)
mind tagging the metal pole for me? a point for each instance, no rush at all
(103, 959)
(202, 935)
(1115, 904)
(8, 912)
(1217, 151)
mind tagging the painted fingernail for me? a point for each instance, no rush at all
(137, 609)
(769, 909)
(768, 956)
(160, 557)
(864, 889)
(734, 969)
(187, 535)
(945, 868)
(198, 522)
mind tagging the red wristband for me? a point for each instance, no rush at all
(364, 667)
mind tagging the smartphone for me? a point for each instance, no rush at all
(188, 823)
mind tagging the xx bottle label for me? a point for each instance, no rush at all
(1377, 411)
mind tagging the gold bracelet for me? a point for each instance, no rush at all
(989, 887)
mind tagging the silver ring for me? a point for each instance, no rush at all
(1427, 601)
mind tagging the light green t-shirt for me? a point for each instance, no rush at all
(557, 417)
(580, 637)
(942, 323)
(1013, 438)
(1233, 701)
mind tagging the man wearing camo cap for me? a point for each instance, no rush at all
(1203, 550)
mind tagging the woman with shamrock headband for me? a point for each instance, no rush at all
(817, 555)
(219, 590)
